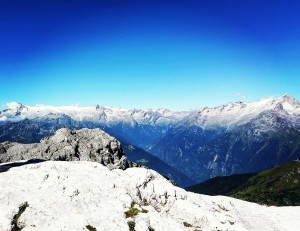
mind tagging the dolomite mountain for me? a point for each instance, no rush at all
(233, 138)
(80, 195)
(68, 145)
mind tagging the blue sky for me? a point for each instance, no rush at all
(140, 54)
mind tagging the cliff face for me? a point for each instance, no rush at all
(67, 145)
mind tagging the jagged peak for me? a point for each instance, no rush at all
(15, 106)
(286, 95)
(237, 113)
(288, 98)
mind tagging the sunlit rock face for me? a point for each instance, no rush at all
(69, 145)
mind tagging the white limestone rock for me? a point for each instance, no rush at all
(72, 195)
(68, 145)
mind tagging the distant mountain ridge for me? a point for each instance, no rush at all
(140, 127)
(236, 114)
(235, 138)
(232, 138)
(226, 116)
(278, 186)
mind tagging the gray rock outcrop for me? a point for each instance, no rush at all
(70, 145)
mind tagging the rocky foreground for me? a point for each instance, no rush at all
(93, 189)
(70, 145)
(56, 195)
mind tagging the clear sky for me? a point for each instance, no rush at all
(139, 54)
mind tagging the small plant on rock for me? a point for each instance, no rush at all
(131, 225)
(91, 228)
(132, 212)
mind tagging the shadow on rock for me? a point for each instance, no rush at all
(6, 167)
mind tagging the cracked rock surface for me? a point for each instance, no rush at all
(70, 145)
(72, 195)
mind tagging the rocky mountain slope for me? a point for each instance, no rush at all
(70, 145)
(276, 186)
(140, 156)
(88, 196)
(236, 138)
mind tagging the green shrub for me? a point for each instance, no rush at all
(131, 225)
(132, 212)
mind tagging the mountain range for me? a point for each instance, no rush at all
(235, 138)
(201, 144)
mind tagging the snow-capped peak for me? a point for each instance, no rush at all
(229, 115)
(289, 101)
(286, 96)
(13, 105)
(16, 107)
(98, 114)
(237, 113)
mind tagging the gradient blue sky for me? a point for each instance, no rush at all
(139, 54)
